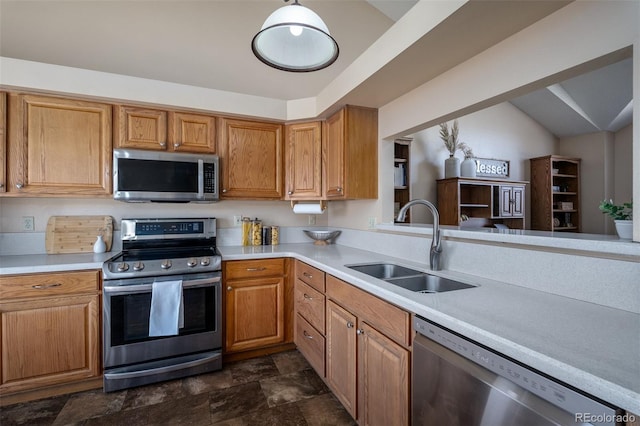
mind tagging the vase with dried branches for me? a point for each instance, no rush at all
(453, 144)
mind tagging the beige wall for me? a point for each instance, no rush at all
(501, 131)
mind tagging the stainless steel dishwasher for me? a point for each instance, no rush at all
(457, 382)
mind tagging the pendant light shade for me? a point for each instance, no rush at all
(294, 38)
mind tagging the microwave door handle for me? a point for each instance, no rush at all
(200, 178)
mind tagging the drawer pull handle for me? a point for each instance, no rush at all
(306, 296)
(349, 324)
(307, 335)
(256, 269)
(45, 286)
(307, 275)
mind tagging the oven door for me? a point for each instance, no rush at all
(126, 309)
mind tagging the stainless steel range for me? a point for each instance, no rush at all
(168, 269)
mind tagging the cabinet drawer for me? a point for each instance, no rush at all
(310, 304)
(311, 343)
(387, 318)
(50, 284)
(310, 275)
(254, 268)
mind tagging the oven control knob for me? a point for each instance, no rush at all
(191, 262)
(138, 266)
(166, 264)
(205, 261)
(122, 267)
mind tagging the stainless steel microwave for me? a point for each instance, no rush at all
(164, 177)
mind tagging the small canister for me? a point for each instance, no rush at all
(266, 235)
(246, 231)
(275, 235)
(256, 232)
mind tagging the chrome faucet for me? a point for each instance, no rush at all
(436, 246)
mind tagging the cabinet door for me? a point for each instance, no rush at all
(59, 146)
(141, 128)
(383, 379)
(251, 159)
(518, 201)
(49, 341)
(506, 201)
(303, 154)
(341, 355)
(255, 313)
(192, 132)
(3, 142)
(334, 140)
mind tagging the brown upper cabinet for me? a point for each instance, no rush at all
(3, 142)
(58, 146)
(159, 130)
(350, 152)
(251, 159)
(303, 157)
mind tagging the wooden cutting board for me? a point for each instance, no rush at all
(77, 234)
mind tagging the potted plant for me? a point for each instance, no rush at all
(453, 144)
(622, 215)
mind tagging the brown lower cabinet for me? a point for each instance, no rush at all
(50, 332)
(360, 346)
(257, 301)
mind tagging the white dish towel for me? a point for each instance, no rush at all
(167, 308)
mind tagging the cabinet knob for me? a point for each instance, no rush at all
(349, 324)
(1, 185)
(339, 189)
(176, 145)
(290, 192)
(229, 288)
(163, 144)
(359, 331)
(224, 190)
(19, 185)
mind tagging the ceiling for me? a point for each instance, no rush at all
(207, 43)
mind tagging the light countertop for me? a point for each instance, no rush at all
(591, 347)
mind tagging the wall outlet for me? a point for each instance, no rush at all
(312, 219)
(372, 222)
(28, 223)
(237, 220)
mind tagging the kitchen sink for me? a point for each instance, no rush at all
(384, 271)
(426, 283)
(410, 279)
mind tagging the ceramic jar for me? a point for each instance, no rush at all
(468, 168)
(451, 167)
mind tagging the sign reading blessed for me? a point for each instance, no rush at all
(491, 168)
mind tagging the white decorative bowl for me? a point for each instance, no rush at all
(322, 238)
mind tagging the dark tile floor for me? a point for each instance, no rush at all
(278, 389)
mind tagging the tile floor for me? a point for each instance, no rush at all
(278, 389)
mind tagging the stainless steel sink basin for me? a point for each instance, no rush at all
(410, 279)
(426, 283)
(384, 271)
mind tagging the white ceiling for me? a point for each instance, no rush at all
(207, 43)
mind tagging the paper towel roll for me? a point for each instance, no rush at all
(308, 208)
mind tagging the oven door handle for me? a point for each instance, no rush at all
(137, 288)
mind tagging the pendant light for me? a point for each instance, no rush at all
(294, 38)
